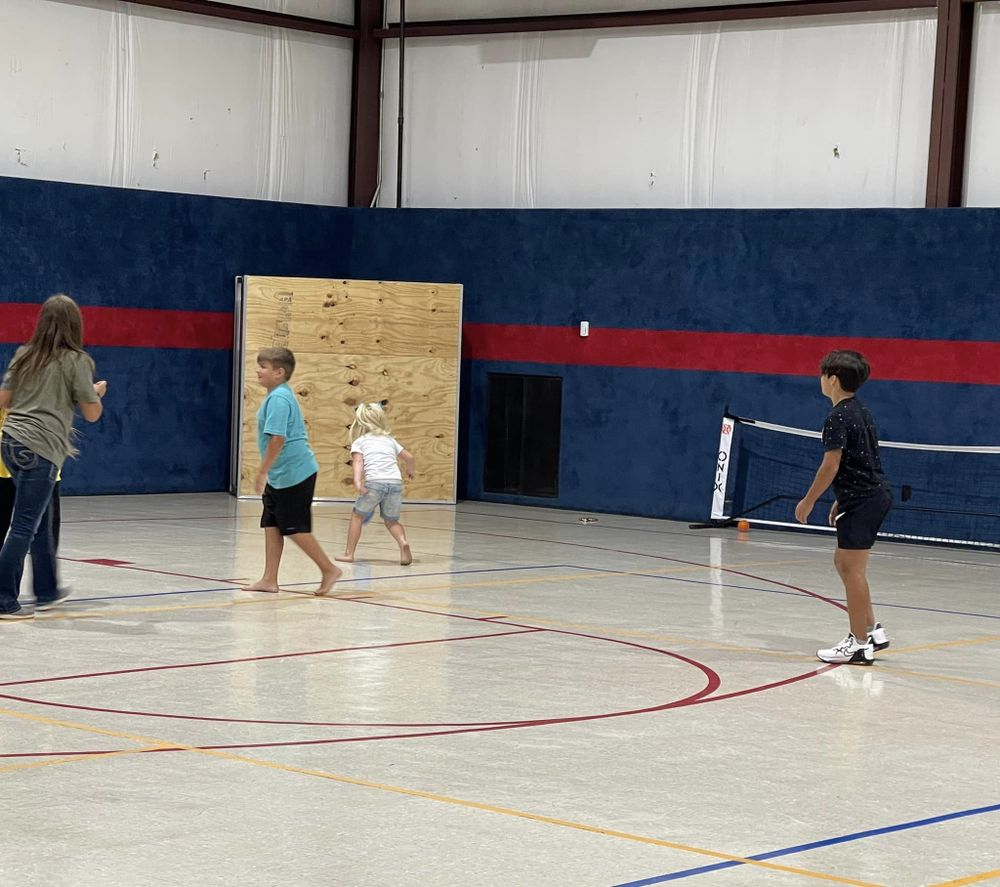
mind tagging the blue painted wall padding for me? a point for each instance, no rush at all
(634, 441)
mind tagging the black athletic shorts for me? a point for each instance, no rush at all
(290, 508)
(859, 520)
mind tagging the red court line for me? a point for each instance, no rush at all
(711, 685)
(124, 565)
(712, 682)
(905, 360)
(148, 668)
(659, 557)
(698, 699)
(130, 327)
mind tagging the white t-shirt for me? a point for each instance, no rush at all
(380, 453)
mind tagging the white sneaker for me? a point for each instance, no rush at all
(878, 637)
(61, 596)
(849, 651)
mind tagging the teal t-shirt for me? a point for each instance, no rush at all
(280, 415)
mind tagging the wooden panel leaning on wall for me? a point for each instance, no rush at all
(354, 341)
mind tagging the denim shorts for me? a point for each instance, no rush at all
(387, 495)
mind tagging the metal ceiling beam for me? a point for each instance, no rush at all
(646, 18)
(234, 13)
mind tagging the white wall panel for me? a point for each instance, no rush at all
(113, 94)
(982, 180)
(57, 109)
(818, 112)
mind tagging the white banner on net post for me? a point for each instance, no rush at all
(722, 469)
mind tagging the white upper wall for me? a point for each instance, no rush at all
(111, 93)
(821, 112)
(982, 178)
(796, 112)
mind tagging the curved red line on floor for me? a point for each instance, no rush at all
(712, 683)
(695, 699)
(684, 703)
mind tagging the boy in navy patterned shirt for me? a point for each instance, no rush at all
(851, 463)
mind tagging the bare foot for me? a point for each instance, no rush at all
(262, 585)
(327, 582)
(345, 558)
(405, 556)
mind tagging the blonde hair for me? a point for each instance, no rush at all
(369, 418)
(59, 328)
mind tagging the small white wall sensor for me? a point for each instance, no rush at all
(584, 327)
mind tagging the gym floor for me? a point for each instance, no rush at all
(535, 701)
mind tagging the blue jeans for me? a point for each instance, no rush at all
(30, 526)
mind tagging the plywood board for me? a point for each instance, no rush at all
(360, 341)
(354, 316)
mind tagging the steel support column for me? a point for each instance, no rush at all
(950, 103)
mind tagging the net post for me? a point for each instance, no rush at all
(718, 517)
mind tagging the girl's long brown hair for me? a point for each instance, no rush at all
(59, 328)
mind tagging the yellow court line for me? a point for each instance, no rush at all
(940, 645)
(974, 682)
(971, 879)
(273, 598)
(700, 643)
(131, 611)
(429, 796)
(51, 762)
(614, 630)
(496, 583)
(588, 575)
(553, 623)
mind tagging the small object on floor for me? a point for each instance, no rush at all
(849, 652)
(587, 520)
(743, 526)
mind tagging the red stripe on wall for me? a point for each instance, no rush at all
(907, 360)
(129, 327)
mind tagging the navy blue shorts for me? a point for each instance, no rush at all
(859, 520)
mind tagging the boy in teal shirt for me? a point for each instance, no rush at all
(287, 476)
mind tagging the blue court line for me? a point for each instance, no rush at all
(125, 597)
(781, 591)
(801, 848)
(880, 553)
(936, 610)
(445, 573)
(537, 567)
(664, 577)
(122, 597)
